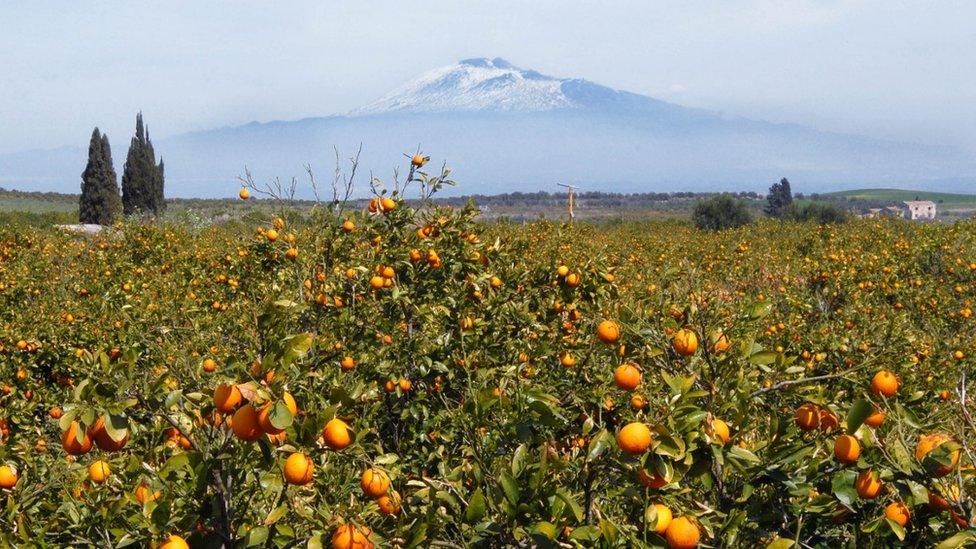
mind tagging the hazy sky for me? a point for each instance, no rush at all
(887, 68)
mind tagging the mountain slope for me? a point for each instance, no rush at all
(508, 129)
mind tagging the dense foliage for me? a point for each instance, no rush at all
(408, 375)
(99, 203)
(779, 199)
(142, 178)
(721, 212)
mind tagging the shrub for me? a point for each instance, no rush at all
(721, 212)
(821, 213)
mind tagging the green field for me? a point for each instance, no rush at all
(946, 201)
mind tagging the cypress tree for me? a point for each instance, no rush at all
(99, 202)
(142, 179)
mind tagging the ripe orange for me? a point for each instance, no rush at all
(875, 419)
(348, 536)
(348, 226)
(227, 397)
(375, 483)
(719, 430)
(389, 504)
(828, 420)
(927, 443)
(898, 512)
(573, 280)
(847, 449)
(608, 331)
(143, 494)
(103, 440)
(638, 402)
(634, 438)
(418, 160)
(884, 383)
(245, 423)
(8, 477)
(271, 235)
(685, 342)
(299, 469)
(650, 480)
(337, 434)
(347, 363)
(627, 377)
(99, 471)
(663, 518)
(682, 533)
(174, 542)
(70, 443)
(244, 194)
(720, 342)
(808, 417)
(868, 485)
(209, 365)
(567, 360)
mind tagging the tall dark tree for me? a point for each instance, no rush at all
(780, 197)
(142, 178)
(100, 202)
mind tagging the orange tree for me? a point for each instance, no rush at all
(404, 375)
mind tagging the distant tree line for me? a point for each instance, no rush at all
(727, 211)
(142, 180)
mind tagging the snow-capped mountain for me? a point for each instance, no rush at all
(483, 84)
(508, 129)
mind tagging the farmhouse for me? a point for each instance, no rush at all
(919, 209)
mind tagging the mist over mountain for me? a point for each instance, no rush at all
(507, 129)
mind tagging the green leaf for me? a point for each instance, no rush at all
(510, 487)
(598, 445)
(781, 543)
(257, 536)
(961, 539)
(859, 412)
(571, 503)
(842, 486)
(476, 507)
(764, 357)
(896, 528)
(280, 416)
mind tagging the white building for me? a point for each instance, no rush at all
(919, 209)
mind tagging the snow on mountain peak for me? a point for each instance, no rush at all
(479, 84)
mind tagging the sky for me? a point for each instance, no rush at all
(887, 68)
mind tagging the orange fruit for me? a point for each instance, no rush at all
(271, 235)
(627, 377)
(650, 480)
(685, 342)
(103, 440)
(418, 160)
(608, 331)
(347, 363)
(638, 402)
(573, 280)
(663, 518)
(374, 482)
(868, 485)
(634, 438)
(847, 449)
(682, 533)
(337, 434)
(209, 365)
(875, 419)
(8, 477)
(898, 512)
(348, 536)
(244, 194)
(884, 383)
(567, 360)
(70, 443)
(142, 493)
(720, 430)
(807, 417)
(174, 542)
(264, 416)
(227, 397)
(828, 420)
(390, 503)
(99, 471)
(245, 423)
(299, 469)
(927, 443)
(720, 342)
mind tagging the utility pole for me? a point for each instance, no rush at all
(569, 190)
